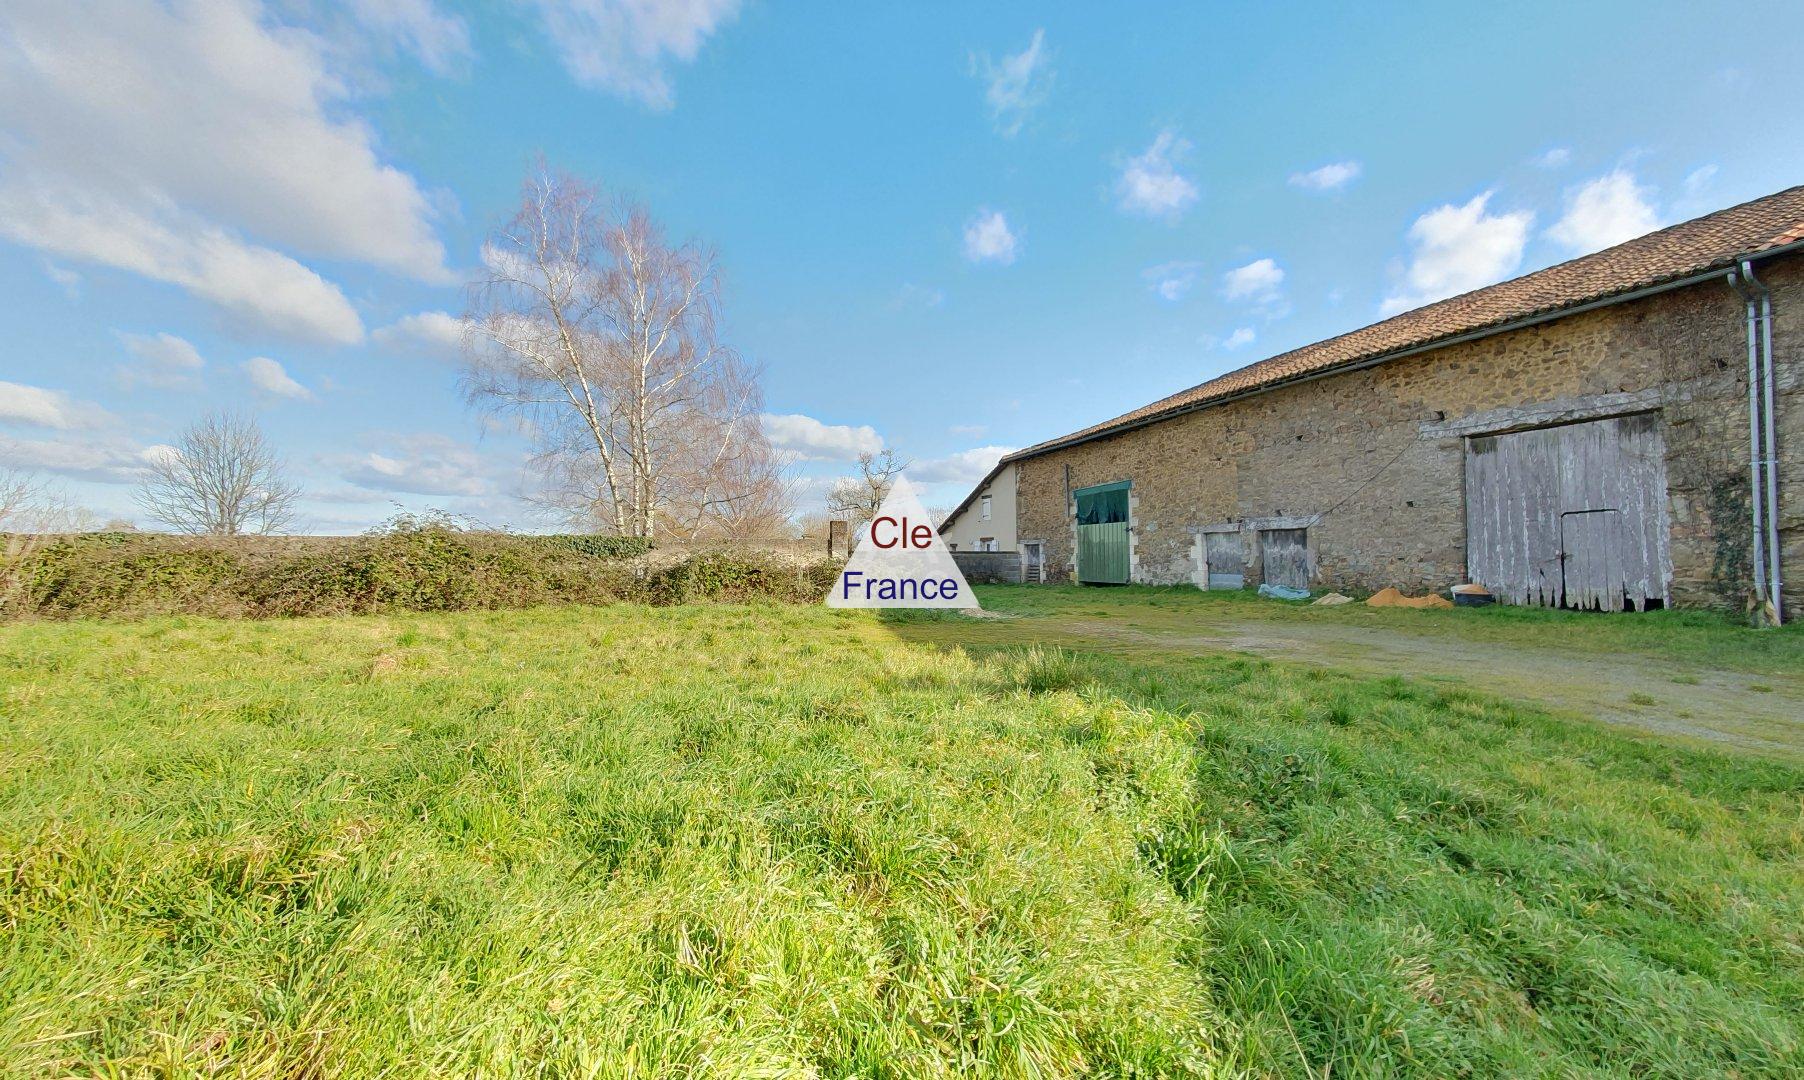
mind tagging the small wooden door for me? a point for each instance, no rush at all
(1227, 560)
(1591, 559)
(1284, 557)
(1033, 562)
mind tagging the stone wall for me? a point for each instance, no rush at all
(1372, 461)
(989, 567)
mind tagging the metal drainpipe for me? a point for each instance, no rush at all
(1757, 492)
(1769, 421)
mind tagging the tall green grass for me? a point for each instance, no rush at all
(781, 841)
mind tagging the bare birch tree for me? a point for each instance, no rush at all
(223, 478)
(601, 335)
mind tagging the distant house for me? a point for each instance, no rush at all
(1622, 430)
(985, 520)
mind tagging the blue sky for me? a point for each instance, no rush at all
(948, 229)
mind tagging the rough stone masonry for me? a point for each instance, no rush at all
(1371, 461)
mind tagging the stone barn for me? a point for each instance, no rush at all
(1618, 431)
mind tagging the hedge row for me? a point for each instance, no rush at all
(410, 566)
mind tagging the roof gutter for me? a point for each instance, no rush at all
(1414, 350)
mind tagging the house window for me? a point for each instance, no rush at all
(983, 508)
(986, 543)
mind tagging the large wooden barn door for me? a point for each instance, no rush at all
(1570, 516)
(1102, 534)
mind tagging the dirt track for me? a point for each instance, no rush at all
(1761, 713)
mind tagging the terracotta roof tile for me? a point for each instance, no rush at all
(1714, 241)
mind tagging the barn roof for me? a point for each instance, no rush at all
(1713, 242)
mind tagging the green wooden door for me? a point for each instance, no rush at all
(1102, 553)
(1102, 534)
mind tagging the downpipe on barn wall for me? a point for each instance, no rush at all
(1762, 447)
(1774, 551)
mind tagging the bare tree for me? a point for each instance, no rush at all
(17, 494)
(221, 479)
(28, 506)
(751, 497)
(812, 526)
(857, 498)
(600, 334)
(30, 513)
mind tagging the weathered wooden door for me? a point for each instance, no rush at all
(1591, 559)
(1226, 559)
(1570, 516)
(1284, 557)
(1102, 534)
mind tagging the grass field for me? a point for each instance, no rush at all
(1706, 638)
(770, 841)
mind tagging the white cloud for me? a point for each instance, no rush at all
(435, 333)
(967, 431)
(1331, 177)
(101, 456)
(1259, 283)
(420, 464)
(249, 284)
(1172, 280)
(66, 279)
(623, 46)
(988, 239)
(1457, 249)
(1150, 184)
(440, 42)
(267, 376)
(510, 263)
(1239, 338)
(159, 453)
(1556, 158)
(37, 407)
(1699, 178)
(164, 360)
(918, 296)
(212, 138)
(810, 440)
(1604, 212)
(1017, 84)
(964, 467)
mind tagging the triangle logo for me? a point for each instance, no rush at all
(901, 561)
